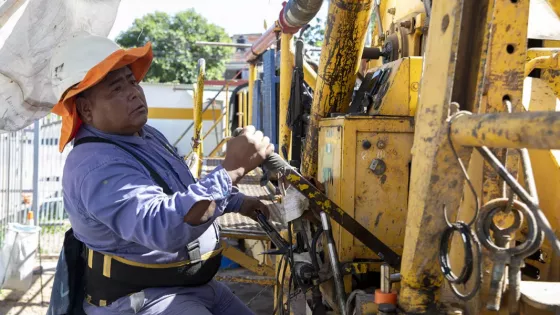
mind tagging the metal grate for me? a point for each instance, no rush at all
(250, 186)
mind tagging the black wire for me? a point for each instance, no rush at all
(467, 236)
(466, 272)
(289, 292)
(313, 249)
(465, 174)
(291, 261)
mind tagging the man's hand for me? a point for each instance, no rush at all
(245, 152)
(250, 204)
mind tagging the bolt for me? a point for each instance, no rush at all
(366, 144)
(392, 11)
(381, 144)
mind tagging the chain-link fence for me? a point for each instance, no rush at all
(31, 181)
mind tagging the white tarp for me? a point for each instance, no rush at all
(26, 43)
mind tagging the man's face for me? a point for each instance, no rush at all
(115, 105)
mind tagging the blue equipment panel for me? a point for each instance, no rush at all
(270, 107)
(257, 105)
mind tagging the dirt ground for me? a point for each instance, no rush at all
(35, 300)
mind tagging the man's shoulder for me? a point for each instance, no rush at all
(89, 157)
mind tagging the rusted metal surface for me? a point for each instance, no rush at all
(436, 179)
(532, 130)
(246, 279)
(263, 43)
(320, 202)
(286, 69)
(341, 53)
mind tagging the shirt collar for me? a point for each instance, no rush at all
(88, 131)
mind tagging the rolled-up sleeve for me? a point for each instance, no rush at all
(121, 195)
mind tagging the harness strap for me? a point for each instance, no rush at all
(155, 176)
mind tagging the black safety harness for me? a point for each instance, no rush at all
(107, 278)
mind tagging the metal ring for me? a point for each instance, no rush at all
(483, 227)
(467, 238)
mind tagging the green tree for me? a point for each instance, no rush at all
(173, 40)
(315, 34)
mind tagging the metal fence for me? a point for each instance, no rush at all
(31, 180)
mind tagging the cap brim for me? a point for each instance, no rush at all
(138, 59)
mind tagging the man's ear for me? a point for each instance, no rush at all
(84, 108)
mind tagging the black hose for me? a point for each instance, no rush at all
(313, 249)
(468, 238)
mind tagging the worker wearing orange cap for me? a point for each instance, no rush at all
(143, 229)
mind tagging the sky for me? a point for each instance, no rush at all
(236, 17)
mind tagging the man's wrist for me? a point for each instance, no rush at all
(234, 173)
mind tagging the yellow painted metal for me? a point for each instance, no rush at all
(218, 147)
(227, 133)
(347, 147)
(533, 130)
(538, 96)
(197, 134)
(240, 109)
(434, 173)
(401, 96)
(545, 62)
(245, 108)
(550, 76)
(265, 281)
(253, 71)
(286, 69)
(555, 5)
(246, 261)
(180, 113)
(341, 53)
(218, 121)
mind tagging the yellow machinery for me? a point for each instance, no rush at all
(432, 186)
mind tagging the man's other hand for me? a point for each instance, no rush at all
(245, 152)
(250, 204)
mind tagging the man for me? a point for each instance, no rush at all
(148, 227)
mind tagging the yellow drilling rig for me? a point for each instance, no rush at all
(416, 162)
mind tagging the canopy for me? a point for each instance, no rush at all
(30, 30)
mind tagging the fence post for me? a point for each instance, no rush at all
(36, 146)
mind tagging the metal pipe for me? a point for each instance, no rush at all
(531, 130)
(202, 43)
(36, 148)
(245, 109)
(199, 95)
(385, 278)
(228, 129)
(542, 221)
(286, 69)
(297, 13)
(528, 174)
(341, 56)
(253, 73)
(335, 264)
(216, 122)
(262, 44)
(240, 109)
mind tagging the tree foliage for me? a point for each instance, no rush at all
(175, 52)
(315, 34)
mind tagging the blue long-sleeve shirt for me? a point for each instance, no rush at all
(115, 207)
